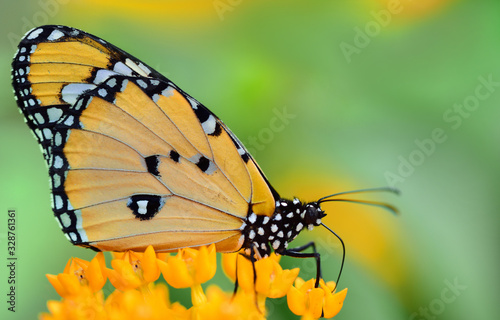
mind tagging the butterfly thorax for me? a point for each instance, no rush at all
(261, 233)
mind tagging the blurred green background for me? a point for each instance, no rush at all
(403, 93)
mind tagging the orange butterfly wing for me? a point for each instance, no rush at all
(133, 159)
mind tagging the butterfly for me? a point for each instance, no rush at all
(135, 161)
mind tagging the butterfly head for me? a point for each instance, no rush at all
(312, 214)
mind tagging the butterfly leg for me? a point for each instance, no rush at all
(297, 253)
(252, 259)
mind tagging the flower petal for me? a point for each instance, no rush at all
(70, 283)
(123, 276)
(95, 274)
(333, 303)
(57, 285)
(245, 272)
(296, 301)
(281, 286)
(229, 264)
(315, 301)
(205, 264)
(151, 271)
(175, 272)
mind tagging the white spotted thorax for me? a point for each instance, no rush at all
(261, 233)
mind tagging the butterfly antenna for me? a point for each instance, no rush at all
(343, 255)
(383, 205)
(381, 189)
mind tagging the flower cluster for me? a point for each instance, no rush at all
(138, 294)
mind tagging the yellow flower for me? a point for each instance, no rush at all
(311, 303)
(133, 304)
(190, 267)
(83, 306)
(133, 269)
(272, 281)
(222, 305)
(79, 273)
(137, 296)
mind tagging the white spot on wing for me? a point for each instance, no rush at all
(103, 75)
(211, 168)
(65, 220)
(142, 83)
(69, 121)
(102, 92)
(47, 133)
(79, 226)
(58, 203)
(132, 65)
(124, 85)
(111, 83)
(34, 34)
(144, 68)
(54, 35)
(54, 114)
(120, 67)
(209, 125)
(56, 180)
(72, 91)
(39, 118)
(58, 162)
(142, 206)
(193, 102)
(168, 92)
